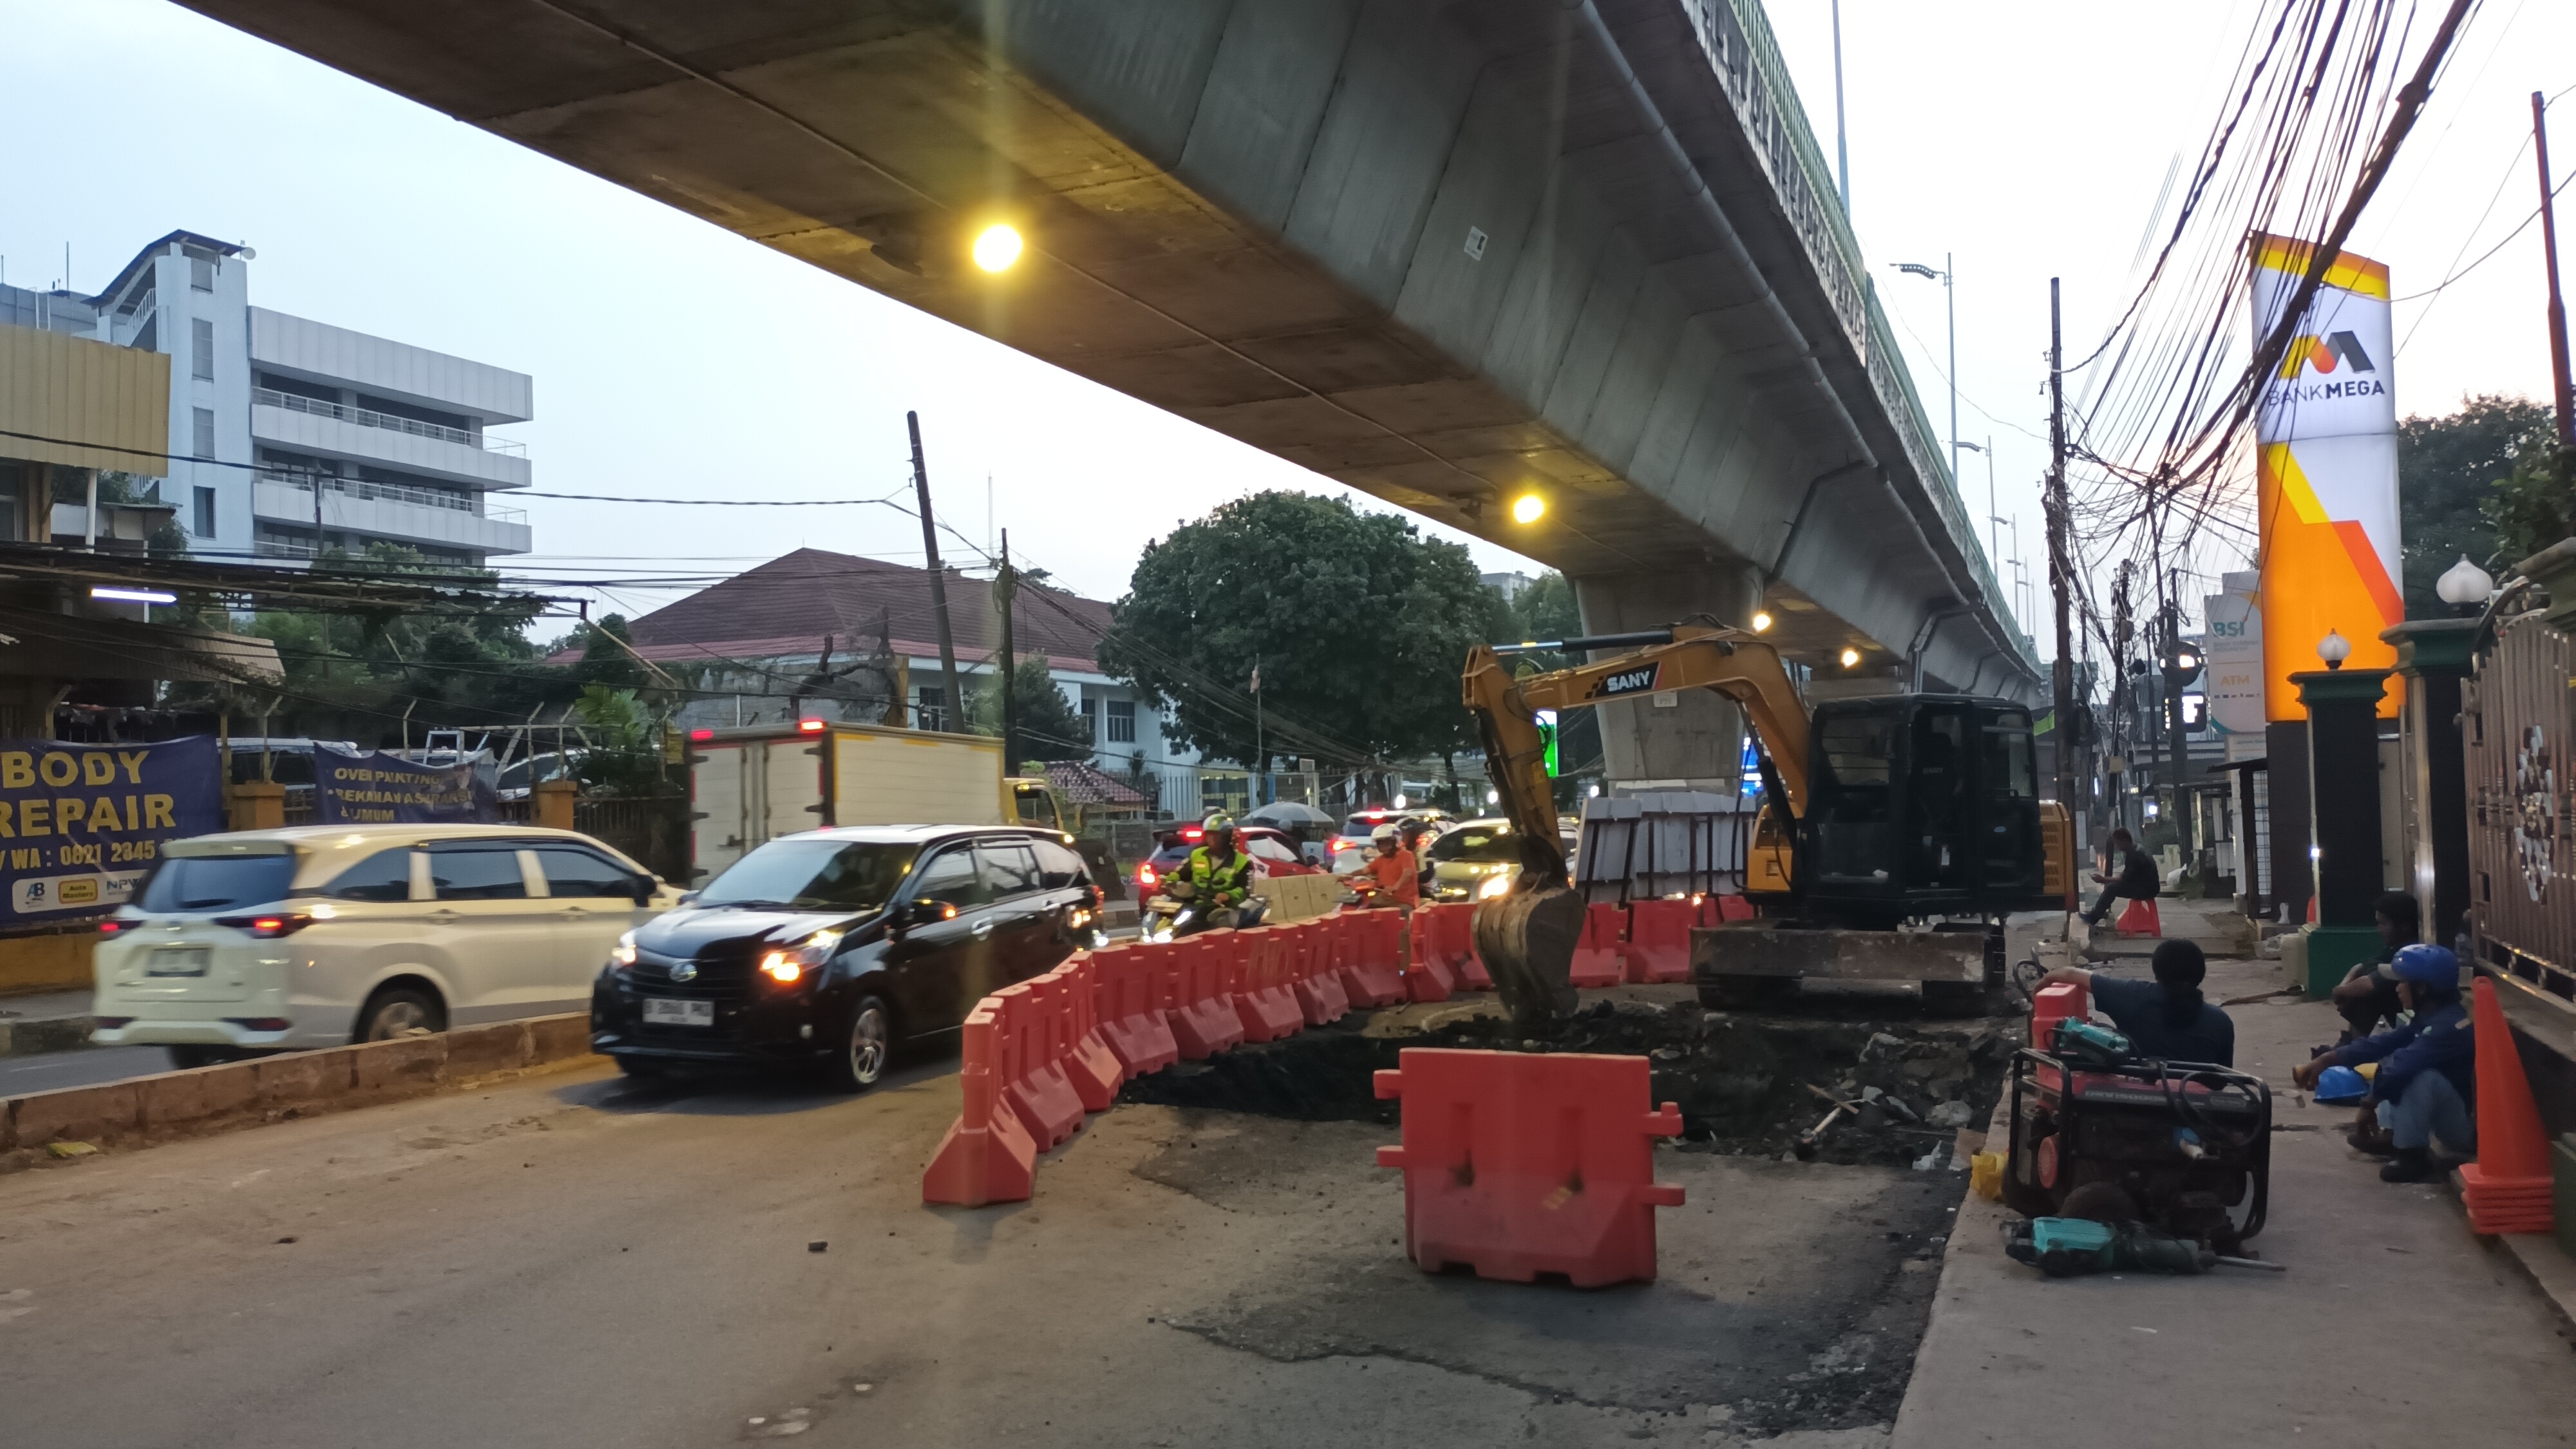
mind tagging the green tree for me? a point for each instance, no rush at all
(1049, 727)
(2453, 473)
(1357, 624)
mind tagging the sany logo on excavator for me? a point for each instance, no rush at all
(1640, 680)
(2324, 354)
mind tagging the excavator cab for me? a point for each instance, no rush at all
(1919, 805)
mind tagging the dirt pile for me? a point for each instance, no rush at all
(1747, 1082)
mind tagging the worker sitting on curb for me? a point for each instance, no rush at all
(2136, 880)
(2368, 993)
(1387, 878)
(2427, 1068)
(2164, 1019)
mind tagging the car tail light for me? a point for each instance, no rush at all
(1194, 832)
(810, 726)
(267, 928)
(1146, 880)
(701, 736)
(110, 928)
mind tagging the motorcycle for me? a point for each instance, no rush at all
(1176, 913)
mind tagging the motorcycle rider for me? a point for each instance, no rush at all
(1219, 876)
(1390, 877)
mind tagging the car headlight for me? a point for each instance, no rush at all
(622, 955)
(1497, 885)
(789, 963)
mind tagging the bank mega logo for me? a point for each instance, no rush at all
(2323, 368)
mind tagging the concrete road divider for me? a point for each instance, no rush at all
(1659, 940)
(1127, 986)
(1518, 1164)
(1601, 956)
(1031, 1066)
(1200, 1009)
(1374, 974)
(169, 1106)
(987, 1155)
(1094, 1068)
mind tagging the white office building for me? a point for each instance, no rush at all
(288, 435)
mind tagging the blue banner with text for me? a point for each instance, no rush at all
(81, 825)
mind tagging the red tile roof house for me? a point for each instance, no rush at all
(753, 643)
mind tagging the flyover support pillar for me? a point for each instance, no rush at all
(1684, 739)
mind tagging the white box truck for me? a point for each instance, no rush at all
(751, 783)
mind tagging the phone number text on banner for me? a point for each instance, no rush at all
(81, 824)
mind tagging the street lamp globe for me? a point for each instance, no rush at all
(2334, 649)
(2464, 584)
(1850, 657)
(1761, 620)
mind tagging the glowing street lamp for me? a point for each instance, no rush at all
(998, 247)
(1761, 621)
(1528, 508)
(1850, 657)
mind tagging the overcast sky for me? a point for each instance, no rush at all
(2028, 139)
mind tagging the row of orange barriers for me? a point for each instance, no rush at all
(1039, 1055)
(1639, 943)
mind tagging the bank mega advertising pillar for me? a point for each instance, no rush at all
(2325, 432)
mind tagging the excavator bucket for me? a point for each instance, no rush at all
(1526, 940)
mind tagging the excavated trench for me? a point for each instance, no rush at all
(1747, 1082)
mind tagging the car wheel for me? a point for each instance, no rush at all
(643, 1068)
(867, 1048)
(398, 1012)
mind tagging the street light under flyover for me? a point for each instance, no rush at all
(1918, 269)
(1994, 520)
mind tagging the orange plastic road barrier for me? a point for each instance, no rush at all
(1375, 973)
(1127, 986)
(1032, 1065)
(1717, 909)
(2508, 1189)
(1659, 941)
(1198, 1007)
(1600, 956)
(1087, 1059)
(1313, 978)
(1256, 970)
(2140, 919)
(987, 1155)
(1518, 1164)
(1426, 976)
(1446, 933)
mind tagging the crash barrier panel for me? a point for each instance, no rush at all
(1374, 975)
(1522, 1163)
(1127, 989)
(1257, 972)
(1600, 956)
(1314, 977)
(1197, 1002)
(1297, 897)
(1446, 933)
(2509, 1188)
(1094, 1069)
(1426, 976)
(987, 1155)
(1031, 1066)
(1716, 909)
(1659, 940)
(2140, 919)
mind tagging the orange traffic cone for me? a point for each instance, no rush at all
(2507, 1189)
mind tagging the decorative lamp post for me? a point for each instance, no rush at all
(2433, 660)
(2464, 586)
(2334, 649)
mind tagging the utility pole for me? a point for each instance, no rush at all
(1006, 588)
(2124, 692)
(2181, 742)
(1842, 152)
(2061, 572)
(2558, 377)
(955, 704)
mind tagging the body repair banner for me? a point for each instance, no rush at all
(2325, 434)
(353, 788)
(81, 825)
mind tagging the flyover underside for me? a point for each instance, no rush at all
(1440, 253)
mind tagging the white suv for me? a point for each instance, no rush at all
(319, 936)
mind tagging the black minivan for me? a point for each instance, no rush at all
(831, 947)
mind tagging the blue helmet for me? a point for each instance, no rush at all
(2427, 968)
(2340, 1087)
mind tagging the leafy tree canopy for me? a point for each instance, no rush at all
(1050, 729)
(1357, 623)
(2474, 482)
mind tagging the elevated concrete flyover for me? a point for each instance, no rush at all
(1443, 252)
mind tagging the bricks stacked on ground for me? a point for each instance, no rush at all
(2509, 1189)
(1518, 1164)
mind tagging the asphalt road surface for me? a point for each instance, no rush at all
(86, 1067)
(570, 1260)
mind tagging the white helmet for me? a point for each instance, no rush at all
(1385, 833)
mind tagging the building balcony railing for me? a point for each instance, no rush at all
(395, 493)
(368, 418)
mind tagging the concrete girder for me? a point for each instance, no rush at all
(1258, 214)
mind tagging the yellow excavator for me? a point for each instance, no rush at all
(1894, 834)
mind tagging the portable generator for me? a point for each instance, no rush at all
(2189, 1144)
